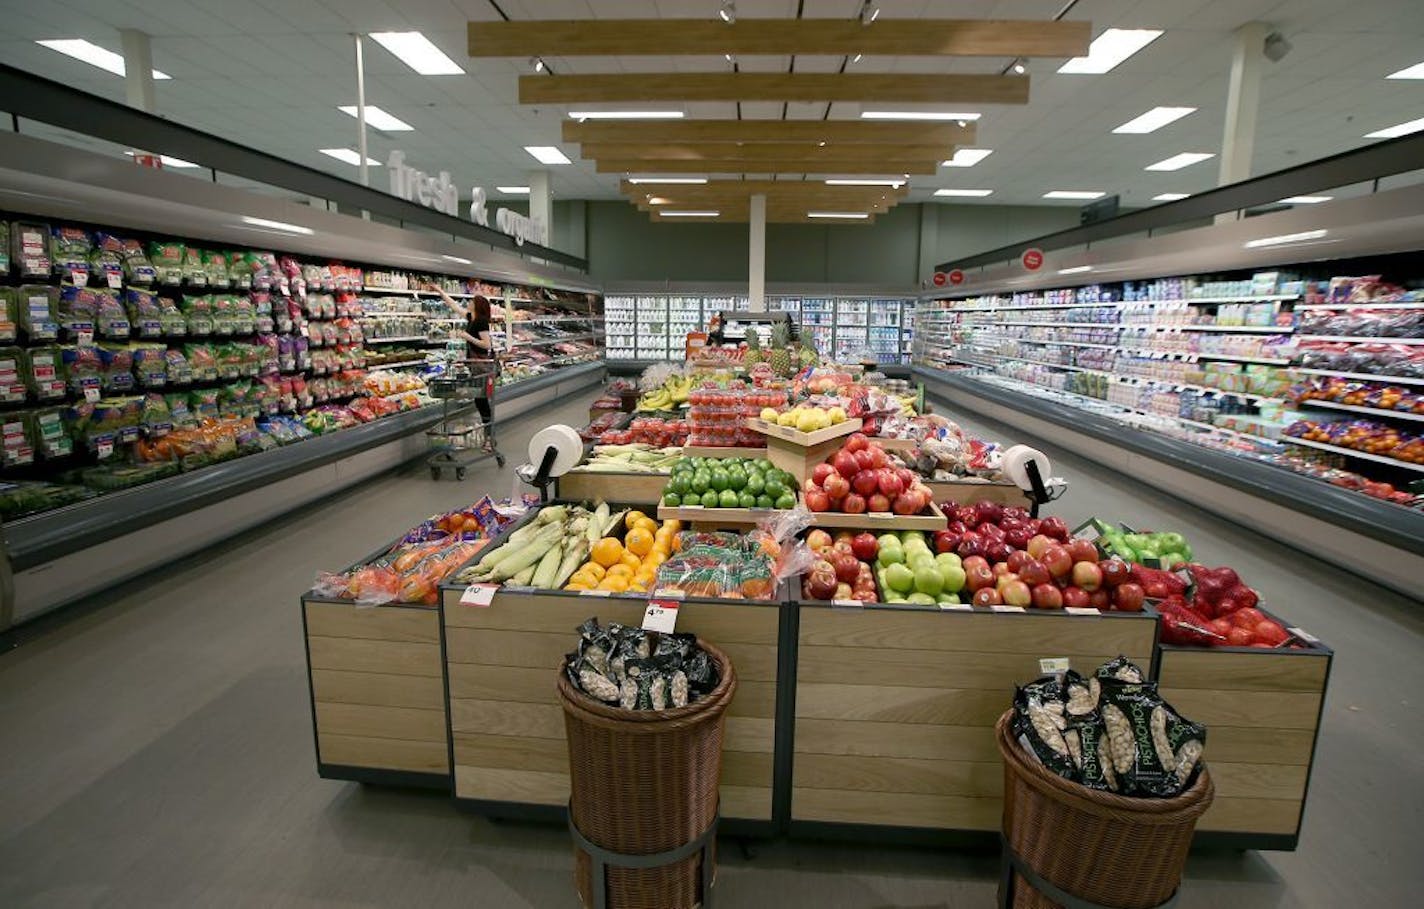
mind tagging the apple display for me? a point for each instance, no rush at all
(1056, 528)
(971, 561)
(865, 546)
(969, 547)
(944, 540)
(1115, 572)
(847, 566)
(1128, 597)
(1033, 571)
(837, 487)
(1016, 593)
(986, 596)
(977, 576)
(1076, 597)
(1088, 576)
(856, 441)
(1082, 551)
(1037, 544)
(820, 472)
(853, 504)
(864, 482)
(998, 551)
(1047, 596)
(1017, 559)
(1057, 560)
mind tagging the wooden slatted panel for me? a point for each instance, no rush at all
(384, 754)
(1239, 815)
(1246, 671)
(369, 721)
(1260, 745)
(389, 657)
(839, 131)
(546, 650)
(996, 672)
(895, 809)
(779, 37)
(1049, 635)
(722, 624)
(380, 623)
(888, 774)
(878, 87)
(547, 721)
(537, 686)
(1254, 709)
(908, 740)
(768, 151)
(744, 166)
(378, 689)
(633, 488)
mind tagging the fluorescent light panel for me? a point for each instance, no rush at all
(968, 157)
(1154, 119)
(375, 117)
(895, 183)
(277, 225)
(347, 155)
(416, 51)
(547, 154)
(1409, 72)
(625, 115)
(965, 193)
(1169, 197)
(168, 161)
(1075, 270)
(1305, 200)
(1286, 238)
(690, 214)
(916, 115)
(92, 54)
(1179, 161)
(852, 215)
(514, 190)
(1111, 48)
(1073, 194)
(690, 180)
(457, 259)
(1399, 129)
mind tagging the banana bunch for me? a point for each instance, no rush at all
(671, 393)
(907, 405)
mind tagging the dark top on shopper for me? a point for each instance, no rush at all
(473, 326)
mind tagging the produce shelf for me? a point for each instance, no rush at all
(407, 338)
(881, 520)
(805, 439)
(1372, 411)
(1364, 376)
(1353, 453)
(1360, 339)
(714, 451)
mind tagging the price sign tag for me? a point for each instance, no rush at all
(91, 394)
(1081, 610)
(1053, 665)
(661, 615)
(847, 603)
(306, 330)
(689, 507)
(882, 515)
(1004, 607)
(104, 448)
(594, 593)
(1304, 635)
(85, 337)
(957, 607)
(478, 595)
(115, 279)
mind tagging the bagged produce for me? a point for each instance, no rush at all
(30, 250)
(70, 248)
(167, 260)
(639, 670)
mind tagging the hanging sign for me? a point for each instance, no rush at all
(439, 192)
(1033, 259)
(940, 279)
(520, 227)
(956, 277)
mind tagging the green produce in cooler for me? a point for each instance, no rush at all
(167, 259)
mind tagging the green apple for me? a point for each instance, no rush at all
(928, 580)
(920, 560)
(947, 599)
(953, 578)
(920, 599)
(899, 577)
(1171, 542)
(908, 535)
(948, 560)
(890, 555)
(894, 596)
(888, 539)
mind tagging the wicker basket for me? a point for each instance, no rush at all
(1104, 849)
(645, 782)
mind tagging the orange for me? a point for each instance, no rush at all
(607, 552)
(655, 558)
(585, 578)
(647, 524)
(594, 569)
(631, 560)
(645, 574)
(575, 585)
(672, 524)
(636, 587)
(632, 518)
(620, 571)
(615, 583)
(639, 542)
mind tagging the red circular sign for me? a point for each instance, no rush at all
(1033, 259)
(956, 277)
(939, 278)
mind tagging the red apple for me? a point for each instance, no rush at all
(987, 596)
(818, 539)
(966, 515)
(1082, 551)
(844, 463)
(1054, 527)
(853, 504)
(856, 441)
(878, 457)
(969, 547)
(837, 487)
(842, 544)
(821, 585)
(1271, 633)
(1057, 560)
(973, 560)
(847, 567)
(907, 477)
(843, 592)
(1016, 593)
(978, 576)
(865, 547)
(1033, 571)
(954, 525)
(1018, 537)
(944, 540)
(1249, 617)
(998, 550)
(1038, 544)
(989, 512)
(1017, 512)
(820, 472)
(905, 504)
(865, 482)
(809, 485)
(1076, 597)
(889, 483)
(992, 531)
(864, 459)
(1220, 627)
(877, 503)
(1240, 637)
(1005, 579)
(1034, 525)
(817, 500)
(1088, 576)
(1001, 569)
(1115, 572)
(1016, 561)
(1047, 596)
(1128, 597)
(844, 536)
(1099, 599)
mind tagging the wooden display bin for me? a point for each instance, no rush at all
(593, 486)
(378, 701)
(718, 451)
(963, 491)
(896, 705)
(880, 521)
(1262, 710)
(797, 452)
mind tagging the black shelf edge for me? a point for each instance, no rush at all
(1394, 525)
(562, 374)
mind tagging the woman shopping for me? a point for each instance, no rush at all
(479, 348)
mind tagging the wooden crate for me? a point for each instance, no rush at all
(966, 491)
(508, 728)
(716, 451)
(895, 706)
(877, 521)
(1262, 710)
(630, 488)
(797, 452)
(378, 699)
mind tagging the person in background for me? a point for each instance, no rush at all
(479, 348)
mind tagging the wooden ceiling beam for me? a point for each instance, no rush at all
(770, 151)
(780, 37)
(850, 203)
(743, 166)
(743, 217)
(774, 190)
(894, 88)
(841, 132)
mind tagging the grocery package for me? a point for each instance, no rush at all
(48, 431)
(30, 250)
(729, 483)
(736, 566)
(167, 260)
(37, 310)
(9, 312)
(1110, 731)
(194, 273)
(70, 249)
(718, 416)
(17, 440)
(1367, 436)
(23, 498)
(12, 374)
(639, 670)
(215, 267)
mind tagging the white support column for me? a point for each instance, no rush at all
(362, 168)
(541, 201)
(138, 69)
(1243, 100)
(756, 255)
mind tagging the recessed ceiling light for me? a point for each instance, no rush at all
(965, 193)
(348, 155)
(1075, 270)
(968, 157)
(625, 115)
(916, 115)
(851, 215)
(1399, 129)
(386, 123)
(1286, 238)
(1154, 119)
(895, 183)
(1305, 200)
(1409, 72)
(168, 161)
(689, 214)
(1111, 48)
(514, 190)
(728, 12)
(457, 259)
(658, 200)
(547, 154)
(92, 54)
(667, 180)
(1169, 197)
(1179, 161)
(1073, 194)
(277, 225)
(416, 51)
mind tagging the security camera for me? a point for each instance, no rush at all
(1276, 47)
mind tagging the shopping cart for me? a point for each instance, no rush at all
(457, 443)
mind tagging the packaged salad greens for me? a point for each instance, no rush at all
(9, 312)
(30, 249)
(137, 268)
(224, 324)
(243, 314)
(167, 259)
(17, 442)
(155, 417)
(106, 265)
(145, 313)
(239, 271)
(175, 324)
(38, 311)
(203, 402)
(150, 364)
(178, 409)
(178, 370)
(199, 313)
(25, 498)
(51, 441)
(194, 272)
(202, 361)
(70, 249)
(78, 311)
(117, 363)
(215, 265)
(110, 317)
(12, 367)
(82, 367)
(44, 373)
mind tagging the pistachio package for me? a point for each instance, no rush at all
(639, 670)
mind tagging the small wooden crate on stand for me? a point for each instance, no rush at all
(798, 452)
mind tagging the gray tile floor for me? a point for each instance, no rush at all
(157, 751)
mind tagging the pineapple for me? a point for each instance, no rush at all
(780, 358)
(808, 355)
(753, 354)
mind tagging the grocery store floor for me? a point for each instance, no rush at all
(157, 751)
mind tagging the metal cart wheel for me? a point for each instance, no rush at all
(499, 459)
(435, 474)
(459, 473)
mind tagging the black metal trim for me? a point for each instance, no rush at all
(374, 776)
(1389, 524)
(783, 756)
(505, 393)
(37, 98)
(1382, 159)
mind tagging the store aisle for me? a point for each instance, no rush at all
(158, 752)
